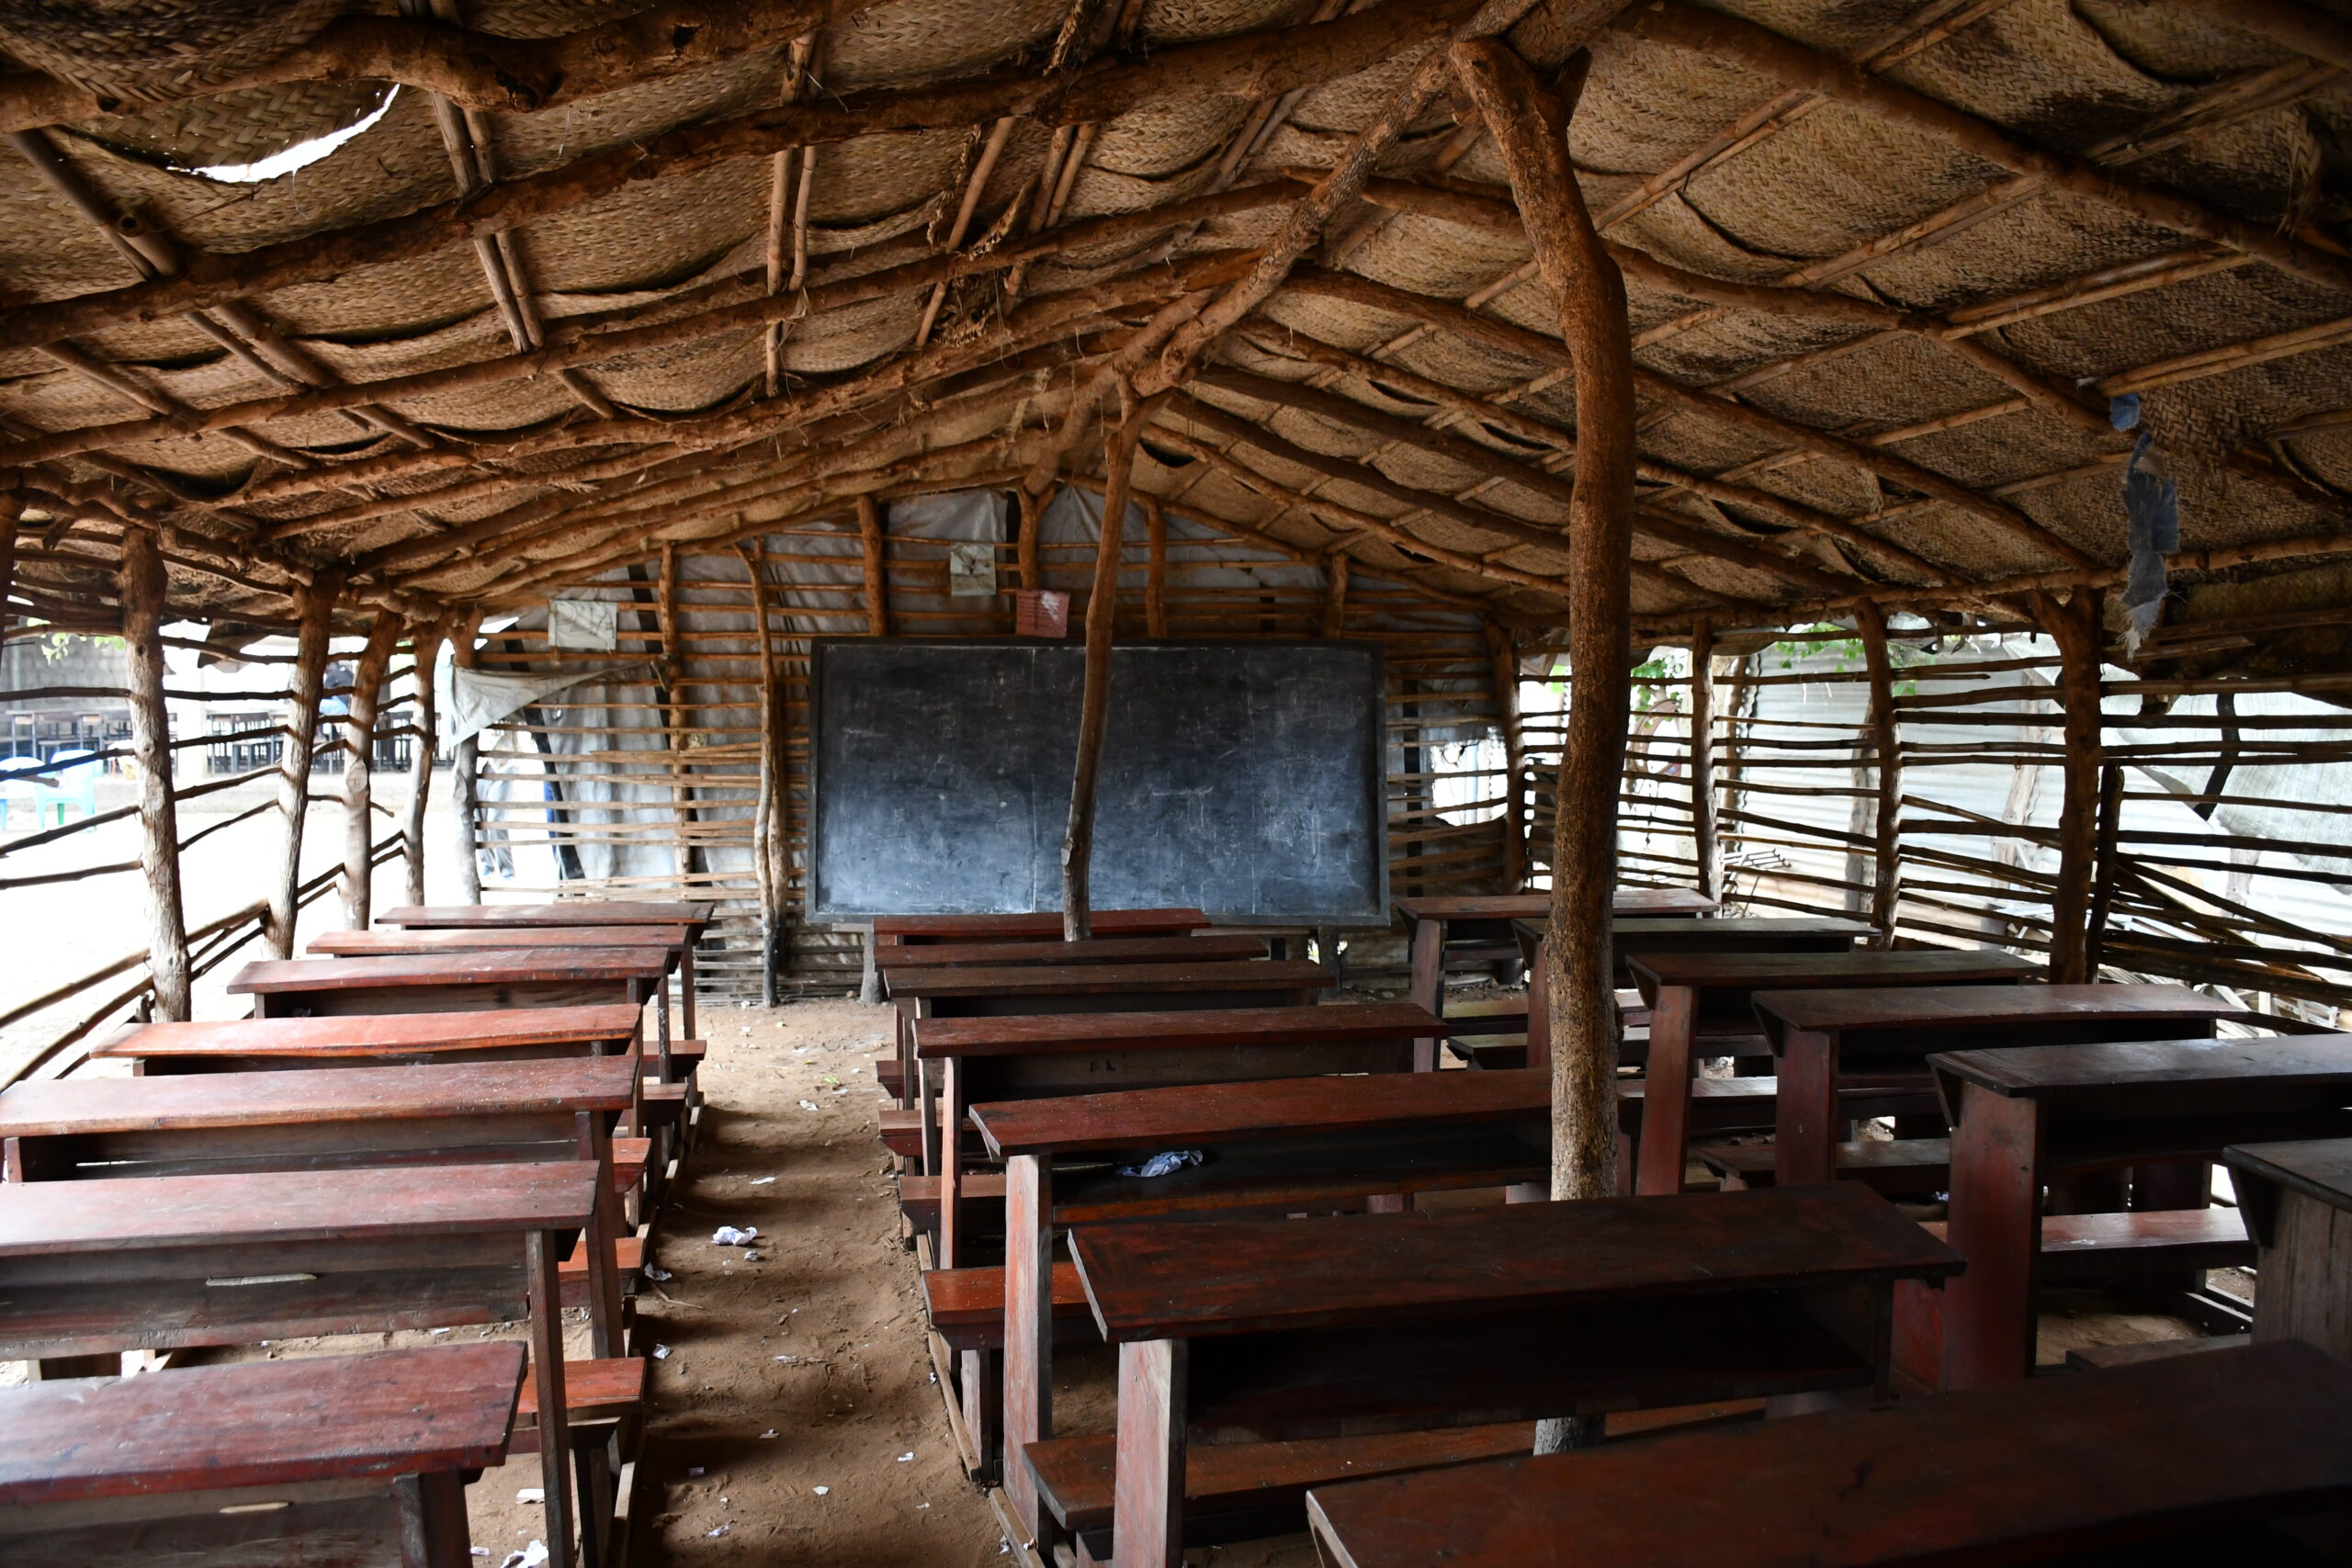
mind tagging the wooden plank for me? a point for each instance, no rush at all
(2054, 1462)
(259, 1424)
(1804, 971)
(901, 959)
(395, 942)
(504, 966)
(936, 1038)
(1535, 906)
(63, 1107)
(380, 1033)
(2157, 1077)
(569, 912)
(1037, 927)
(1149, 1281)
(1115, 979)
(1920, 1007)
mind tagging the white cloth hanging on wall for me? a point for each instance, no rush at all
(474, 700)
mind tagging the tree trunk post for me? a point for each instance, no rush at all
(1094, 710)
(465, 766)
(143, 586)
(770, 851)
(1504, 659)
(878, 567)
(2075, 626)
(360, 771)
(1529, 123)
(314, 607)
(1887, 866)
(1024, 549)
(425, 655)
(1155, 584)
(1706, 841)
(12, 509)
(1335, 594)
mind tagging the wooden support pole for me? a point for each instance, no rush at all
(426, 653)
(12, 509)
(1335, 594)
(465, 764)
(1529, 123)
(1706, 838)
(2074, 627)
(1033, 509)
(877, 583)
(357, 883)
(1094, 711)
(771, 843)
(2109, 865)
(1886, 863)
(313, 606)
(143, 585)
(1504, 659)
(1155, 582)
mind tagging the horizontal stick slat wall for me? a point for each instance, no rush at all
(2202, 879)
(656, 774)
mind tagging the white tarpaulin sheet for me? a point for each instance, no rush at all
(474, 700)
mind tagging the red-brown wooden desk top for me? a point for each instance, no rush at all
(67, 1106)
(1158, 1281)
(2316, 1167)
(1986, 1476)
(1115, 979)
(897, 961)
(1034, 927)
(2154, 1077)
(260, 1424)
(1069, 1033)
(50, 1218)
(1536, 905)
(503, 967)
(1188, 1114)
(394, 942)
(1750, 971)
(1924, 1008)
(567, 912)
(364, 1035)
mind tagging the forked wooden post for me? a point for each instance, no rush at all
(1885, 860)
(359, 768)
(143, 585)
(465, 763)
(313, 606)
(1529, 123)
(1706, 836)
(425, 655)
(2075, 626)
(1094, 709)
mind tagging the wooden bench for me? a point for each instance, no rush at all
(341, 1459)
(2296, 1196)
(1240, 1331)
(1694, 996)
(1632, 937)
(2194, 1455)
(1898, 1168)
(1816, 1035)
(1053, 1054)
(690, 919)
(2162, 1109)
(167, 1262)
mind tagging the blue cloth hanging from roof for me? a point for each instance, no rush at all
(2152, 517)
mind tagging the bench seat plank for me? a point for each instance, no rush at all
(386, 942)
(564, 912)
(498, 966)
(380, 1035)
(1076, 1033)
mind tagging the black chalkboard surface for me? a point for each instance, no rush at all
(1244, 779)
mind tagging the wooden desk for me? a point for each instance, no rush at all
(1814, 1034)
(2019, 1115)
(1292, 1144)
(96, 1267)
(247, 1044)
(2297, 1197)
(1692, 995)
(84, 1129)
(1042, 926)
(273, 1460)
(896, 962)
(1260, 1330)
(1045, 1054)
(2159, 1453)
(692, 916)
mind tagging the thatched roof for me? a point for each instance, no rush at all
(577, 291)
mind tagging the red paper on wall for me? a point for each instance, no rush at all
(1041, 612)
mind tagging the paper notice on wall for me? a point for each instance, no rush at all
(971, 571)
(1041, 612)
(590, 624)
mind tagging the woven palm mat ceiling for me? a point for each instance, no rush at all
(594, 277)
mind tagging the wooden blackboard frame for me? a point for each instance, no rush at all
(830, 899)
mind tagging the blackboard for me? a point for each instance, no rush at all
(1244, 779)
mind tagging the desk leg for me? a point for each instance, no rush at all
(686, 988)
(1805, 1135)
(1666, 1094)
(951, 1162)
(1428, 988)
(1028, 1325)
(927, 1111)
(543, 1251)
(903, 1033)
(1539, 1012)
(1148, 1483)
(604, 1232)
(1996, 1225)
(433, 1519)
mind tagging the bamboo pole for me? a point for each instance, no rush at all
(2075, 626)
(425, 655)
(359, 770)
(1101, 608)
(1885, 857)
(1504, 660)
(1529, 124)
(313, 606)
(143, 586)
(1705, 834)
